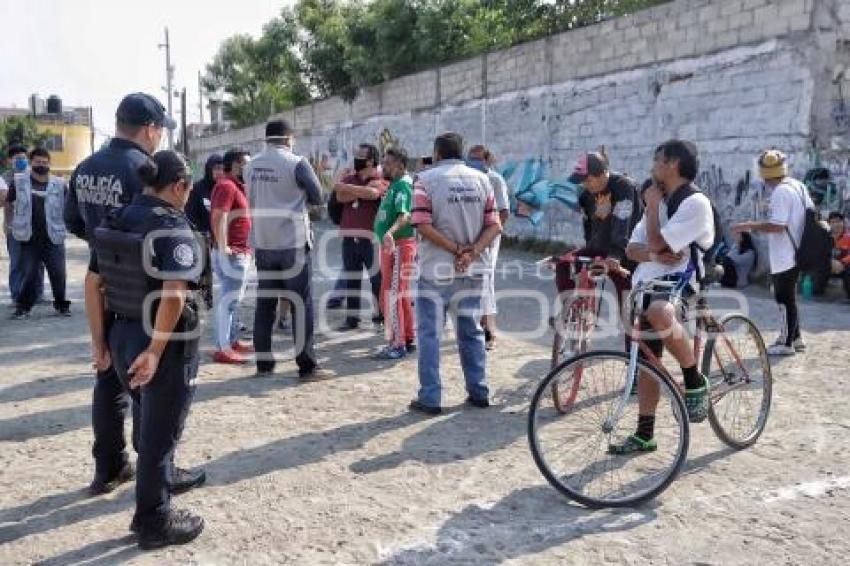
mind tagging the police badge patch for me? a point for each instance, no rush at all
(183, 255)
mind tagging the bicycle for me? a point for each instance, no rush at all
(603, 408)
(576, 320)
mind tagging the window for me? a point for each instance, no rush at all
(53, 143)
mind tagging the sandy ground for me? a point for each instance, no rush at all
(339, 471)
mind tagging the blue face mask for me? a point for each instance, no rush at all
(20, 164)
(477, 164)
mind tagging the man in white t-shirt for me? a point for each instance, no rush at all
(479, 157)
(667, 243)
(789, 200)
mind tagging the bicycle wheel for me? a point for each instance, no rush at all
(571, 338)
(736, 364)
(571, 448)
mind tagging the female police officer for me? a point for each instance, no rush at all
(153, 340)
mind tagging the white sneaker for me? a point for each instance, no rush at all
(780, 350)
(799, 345)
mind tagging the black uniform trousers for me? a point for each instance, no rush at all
(160, 410)
(284, 270)
(359, 254)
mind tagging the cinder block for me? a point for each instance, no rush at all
(792, 8)
(765, 14)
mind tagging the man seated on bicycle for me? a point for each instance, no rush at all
(610, 208)
(678, 223)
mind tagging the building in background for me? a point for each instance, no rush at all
(70, 130)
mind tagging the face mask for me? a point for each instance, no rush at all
(21, 164)
(41, 169)
(477, 164)
(360, 164)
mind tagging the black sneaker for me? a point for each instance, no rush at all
(180, 527)
(184, 480)
(63, 310)
(348, 326)
(480, 403)
(315, 374)
(489, 340)
(21, 313)
(102, 484)
(415, 405)
(264, 371)
(410, 347)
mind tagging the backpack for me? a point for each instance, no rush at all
(711, 254)
(335, 209)
(815, 248)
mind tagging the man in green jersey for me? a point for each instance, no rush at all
(398, 253)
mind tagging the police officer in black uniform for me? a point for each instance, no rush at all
(106, 181)
(150, 260)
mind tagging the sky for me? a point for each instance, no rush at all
(93, 52)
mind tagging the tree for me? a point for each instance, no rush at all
(322, 48)
(259, 77)
(21, 129)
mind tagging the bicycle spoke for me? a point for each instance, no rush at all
(573, 448)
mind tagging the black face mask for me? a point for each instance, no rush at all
(41, 169)
(360, 164)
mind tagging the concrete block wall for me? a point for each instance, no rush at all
(411, 92)
(735, 76)
(462, 81)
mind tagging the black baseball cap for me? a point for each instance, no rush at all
(140, 109)
(592, 163)
(278, 129)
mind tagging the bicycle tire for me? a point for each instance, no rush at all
(715, 419)
(677, 406)
(574, 345)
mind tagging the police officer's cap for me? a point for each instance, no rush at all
(140, 109)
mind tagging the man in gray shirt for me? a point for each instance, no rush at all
(455, 214)
(280, 186)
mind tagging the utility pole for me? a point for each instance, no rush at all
(169, 77)
(91, 128)
(201, 98)
(184, 131)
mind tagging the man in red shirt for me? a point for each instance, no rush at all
(230, 223)
(360, 192)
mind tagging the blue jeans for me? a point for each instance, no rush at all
(231, 272)
(34, 258)
(433, 300)
(16, 272)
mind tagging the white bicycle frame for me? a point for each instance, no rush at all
(636, 300)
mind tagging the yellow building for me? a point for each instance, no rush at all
(70, 131)
(68, 144)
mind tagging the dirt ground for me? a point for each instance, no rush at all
(339, 472)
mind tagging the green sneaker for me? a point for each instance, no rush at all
(632, 444)
(696, 402)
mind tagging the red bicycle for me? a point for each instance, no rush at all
(570, 443)
(574, 324)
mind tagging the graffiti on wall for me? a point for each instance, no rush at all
(531, 191)
(543, 207)
(828, 179)
(741, 199)
(841, 114)
(329, 161)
